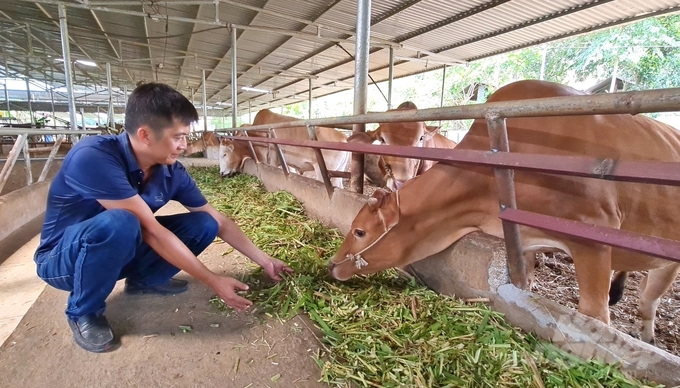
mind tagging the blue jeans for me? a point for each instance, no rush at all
(94, 254)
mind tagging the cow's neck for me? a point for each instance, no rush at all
(437, 212)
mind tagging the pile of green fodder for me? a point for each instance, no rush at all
(383, 330)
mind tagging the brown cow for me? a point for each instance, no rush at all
(447, 202)
(301, 159)
(397, 170)
(207, 139)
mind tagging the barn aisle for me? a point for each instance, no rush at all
(234, 350)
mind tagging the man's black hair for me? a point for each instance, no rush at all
(157, 105)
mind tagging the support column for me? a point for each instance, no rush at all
(205, 103)
(111, 120)
(310, 99)
(125, 97)
(82, 117)
(390, 79)
(66, 52)
(360, 86)
(234, 79)
(7, 102)
(441, 99)
(30, 107)
(54, 114)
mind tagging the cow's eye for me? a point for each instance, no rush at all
(359, 233)
(382, 139)
(422, 137)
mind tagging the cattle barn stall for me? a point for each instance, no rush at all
(238, 56)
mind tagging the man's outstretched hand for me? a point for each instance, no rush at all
(226, 289)
(275, 268)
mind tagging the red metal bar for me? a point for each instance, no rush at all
(311, 131)
(649, 245)
(505, 184)
(663, 173)
(339, 174)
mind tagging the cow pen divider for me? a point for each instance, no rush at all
(504, 162)
(21, 146)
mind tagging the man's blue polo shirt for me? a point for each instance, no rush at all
(105, 168)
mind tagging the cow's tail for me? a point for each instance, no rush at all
(617, 286)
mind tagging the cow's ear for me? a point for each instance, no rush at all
(377, 199)
(365, 137)
(228, 145)
(389, 212)
(430, 131)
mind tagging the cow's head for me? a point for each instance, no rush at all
(230, 161)
(397, 170)
(369, 246)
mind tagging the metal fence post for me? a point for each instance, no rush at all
(498, 137)
(311, 130)
(282, 160)
(11, 160)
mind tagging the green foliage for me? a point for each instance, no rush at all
(648, 55)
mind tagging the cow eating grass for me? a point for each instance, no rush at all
(395, 170)
(233, 153)
(447, 202)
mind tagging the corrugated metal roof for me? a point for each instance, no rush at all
(285, 42)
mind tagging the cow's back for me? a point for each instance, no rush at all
(297, 156)
(623, 136)
(631, 206)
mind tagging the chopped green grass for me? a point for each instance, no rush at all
(382, 330)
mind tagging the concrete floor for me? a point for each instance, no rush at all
(221, 350)
(19, 287)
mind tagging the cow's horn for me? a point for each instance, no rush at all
(372, 201)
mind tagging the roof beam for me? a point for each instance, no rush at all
(328, 8)
(452, 19)
(146, 33)
(44, 11)
(47, 62)
(191, 39)
(228, 53)
(525, 24)
(101, 27)
(374, 21)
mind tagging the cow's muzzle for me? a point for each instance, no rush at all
(229, 174)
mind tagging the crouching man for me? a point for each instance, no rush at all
(100, 225)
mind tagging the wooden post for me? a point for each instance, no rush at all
(11, 159)
(51, 157)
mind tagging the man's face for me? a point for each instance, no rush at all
(167, 148)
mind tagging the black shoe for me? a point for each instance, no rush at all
(171, 287)
(92, 333)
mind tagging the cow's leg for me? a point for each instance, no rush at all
(652, 287)
(593, 272)
(337, 182)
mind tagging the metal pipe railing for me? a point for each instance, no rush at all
(31, 131)
(663, 173)
(661, 100)
(504, 162)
